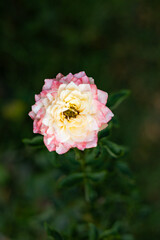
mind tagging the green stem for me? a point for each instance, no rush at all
(80, 157)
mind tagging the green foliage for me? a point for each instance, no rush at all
(124, 168)
(113, 149)
(105, 132)
(90, 193)
(96, 176)
(52, 233)
(72, 179)
(127, 237)
(34, 142)
(108, 234)
(117, 98)
(93, 232)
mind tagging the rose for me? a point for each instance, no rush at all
(69, 112)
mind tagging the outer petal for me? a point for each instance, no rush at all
(102, 96)
(80, 74)
(49, 141)
(94, 91)
(81, 146)
(32, 114)
(92, 143)
(37, 125)
(62, 148)
(85, 80)
(48, 84)
(66, 79)
(91, 80)
(104, 114)
(37, 106)
(109, 115)
(103, 126)
(37, 97)
(59, 76)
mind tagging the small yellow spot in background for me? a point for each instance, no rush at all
(14, 111)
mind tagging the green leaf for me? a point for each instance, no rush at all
(113, 149)
(108, 233)
(97, 176)
(116, 98)
(127, 237)
(90, 194)
(53, 233)
(71, 180)
(93, 232)
(107, 131)
(104, 133)
(114, 123)
(92, 155)
(36, 141)
(123, 168)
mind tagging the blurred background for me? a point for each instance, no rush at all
(115, 42)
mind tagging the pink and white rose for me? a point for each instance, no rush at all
(69, 112)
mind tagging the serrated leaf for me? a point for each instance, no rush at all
(71, 180)
(93, 232)
(36, 141)
(116, 98)
(97, 176)
(53, 233)
(113, 149)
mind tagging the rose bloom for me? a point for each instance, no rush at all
(69, 112)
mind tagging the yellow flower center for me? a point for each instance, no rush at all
(72, 112)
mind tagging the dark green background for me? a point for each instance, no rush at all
(117, 42)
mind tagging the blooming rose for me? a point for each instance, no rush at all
(69, 112)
